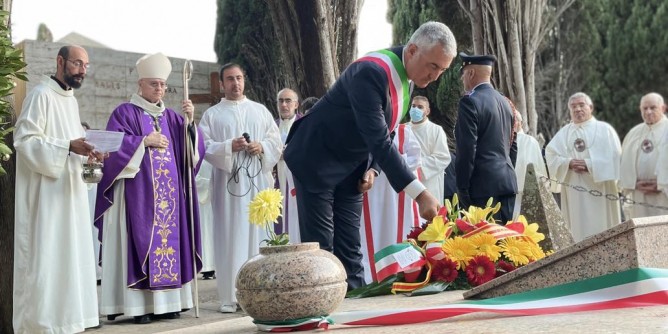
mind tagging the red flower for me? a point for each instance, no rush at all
(415, 231)
(480, 270)
(443, 211)
(444, 270)
(504, 268)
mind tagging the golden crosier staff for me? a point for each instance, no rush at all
(187, 74)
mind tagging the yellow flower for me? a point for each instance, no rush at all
(486, 245)
(531, 230)
(266, 207)
(536, 251)
(459, 250)
(435, 231)
(516, 250)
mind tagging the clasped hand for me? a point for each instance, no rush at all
(157, 140)
(578, 165)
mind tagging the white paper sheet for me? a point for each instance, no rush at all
(104, 141)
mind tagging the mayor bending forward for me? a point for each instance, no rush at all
(343, 143)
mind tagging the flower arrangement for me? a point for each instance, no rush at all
(458, 249)
(264, 210)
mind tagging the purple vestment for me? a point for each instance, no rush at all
(159, 245)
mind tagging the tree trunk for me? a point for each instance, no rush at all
(316, 42)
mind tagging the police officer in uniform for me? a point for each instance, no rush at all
(485, 140)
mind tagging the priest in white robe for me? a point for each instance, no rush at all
(54, 265)
(388, 216)
(243, 145)
(586, 153)
(528, 152)
(203, 183)
(433, 145)
(640, 159)
(287, 103)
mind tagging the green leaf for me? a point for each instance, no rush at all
(431, 289)
(374, 289)
(4, 149)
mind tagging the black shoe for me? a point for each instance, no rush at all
(143, 319)
(209, 274)
(169, 315)
(112, 317)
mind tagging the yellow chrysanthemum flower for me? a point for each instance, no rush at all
(516, 250)
(435, 231)
(531, 230)
(266, 207)
(486, 245)
(536, 251)
(459, 250)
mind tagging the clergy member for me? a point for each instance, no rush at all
(243, 145)
(528, 152)
(144, 201)
(388, 216)
(586, 153)
(640, 159)
(433, 147)
(287, 102)
(54, 265)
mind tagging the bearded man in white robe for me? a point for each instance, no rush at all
(54, 264)
(586, 153)
(388, 216)
(640, 159)
(433, 147)
(528, 152)
(243, 145)
(287, 102)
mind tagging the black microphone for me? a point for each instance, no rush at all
(247, 137)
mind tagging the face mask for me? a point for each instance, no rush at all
(416, 114)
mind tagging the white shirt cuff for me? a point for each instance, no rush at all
(414, 189)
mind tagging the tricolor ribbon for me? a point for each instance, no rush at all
(398, 82)
(397, 258)
(632, 288)
(639, 287)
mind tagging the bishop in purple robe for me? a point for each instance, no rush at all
(144, 204)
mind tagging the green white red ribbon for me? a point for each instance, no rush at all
(638, 287)
(398, 82)
(632, 288)
(396, 258)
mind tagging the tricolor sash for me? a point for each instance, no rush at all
(398, 82)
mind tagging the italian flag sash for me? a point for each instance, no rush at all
(638, 287)
(398, 82)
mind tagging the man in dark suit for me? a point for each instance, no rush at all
(485, 141)
(338, 148)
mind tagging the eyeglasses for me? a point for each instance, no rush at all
(158, 84)
(79, 63)
(288, 101)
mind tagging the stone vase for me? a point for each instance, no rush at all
(291, 282)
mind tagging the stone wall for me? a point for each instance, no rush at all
(110, 80)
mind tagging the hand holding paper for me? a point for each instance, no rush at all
(104, 141)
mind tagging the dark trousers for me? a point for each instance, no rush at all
(507, 205)
(332, 218)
